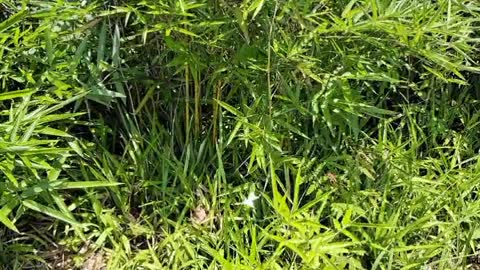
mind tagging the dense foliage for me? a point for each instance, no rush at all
(137, 134)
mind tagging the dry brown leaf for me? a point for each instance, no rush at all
(95, 262)
(199, 215)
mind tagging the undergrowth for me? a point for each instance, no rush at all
(225, 134)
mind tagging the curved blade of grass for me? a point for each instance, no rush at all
(50, 212)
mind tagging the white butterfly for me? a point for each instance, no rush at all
(250, 200)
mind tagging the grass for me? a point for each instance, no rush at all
(137, 134)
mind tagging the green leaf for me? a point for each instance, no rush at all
(5, 211)
(53, 132)
(79, 54)
(185, 31)
(257, 6)
(49, 46)
(12, 20)
(101, 44)
(16, 94)
(230, 108)
(86, 184)
(219, 258)
(50, 212)
(8, 223)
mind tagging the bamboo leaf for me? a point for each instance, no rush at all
(86, 184)
(50, 212)
(17, 17)
(16, 94)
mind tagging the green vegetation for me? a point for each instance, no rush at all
(135, 134)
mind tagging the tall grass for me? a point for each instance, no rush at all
(137, 134)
